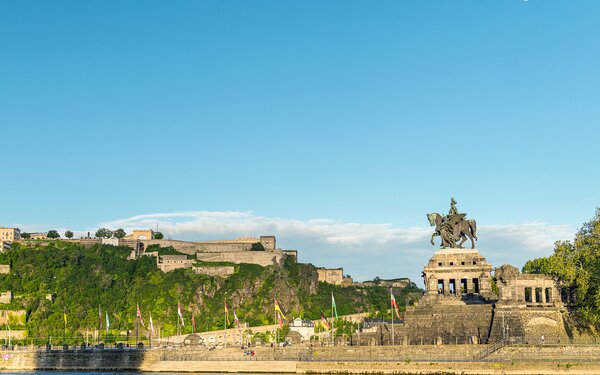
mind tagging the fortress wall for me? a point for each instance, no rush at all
(262, 258)
(4, 268)
(192, 248)
(221, 271)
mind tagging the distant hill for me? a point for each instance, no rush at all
(83, 278)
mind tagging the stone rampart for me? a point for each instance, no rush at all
(220, 271)
(262, 258)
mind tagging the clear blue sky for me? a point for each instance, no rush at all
(355, 111)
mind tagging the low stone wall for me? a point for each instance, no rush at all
(573, 353)
(4, 268)
(14, 317)
(12, 335)
(399, 352)
(6, 297)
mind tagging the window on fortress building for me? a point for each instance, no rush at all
(528, 295)
(451, 263)
(440, 263)
(452, 286)
(440, 286)
(548, 295)
(463, 285)
(462, 263)
(474, 262)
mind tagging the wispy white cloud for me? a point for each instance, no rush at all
(363, 249)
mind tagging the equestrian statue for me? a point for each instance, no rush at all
(454, 229)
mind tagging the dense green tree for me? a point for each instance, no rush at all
(25, 235)
(119, 233)
(158, 236)
(69, 234)
(83, 278)
(576, 264)
(52, 234)
(104, 233)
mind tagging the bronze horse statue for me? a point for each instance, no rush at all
(453, 228)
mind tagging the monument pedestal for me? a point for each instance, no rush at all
(458, 272)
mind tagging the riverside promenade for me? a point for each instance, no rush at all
(417, 359)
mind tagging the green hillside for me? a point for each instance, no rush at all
(83, 278)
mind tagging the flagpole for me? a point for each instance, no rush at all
(276, 332)
(332, 321)
(99, 324)
(137, 325)
(392, 312)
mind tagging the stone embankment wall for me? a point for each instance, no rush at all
(426, 359)
(104, 360)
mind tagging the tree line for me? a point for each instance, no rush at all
(576, 265)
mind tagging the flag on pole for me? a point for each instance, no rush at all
(151, 324)
(280, 310)
(394, 305)
(139, 314)
(236, 320)
(226, 313)
(99, 318)
(325, 322)
(107, 322)
(179, 313)
(333, 306)
(280, 320)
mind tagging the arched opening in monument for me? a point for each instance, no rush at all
(475, 285)
(548, 295)
(440, 286)
(538, 295)
(528, 295)
(142, 237)
(463, 286)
